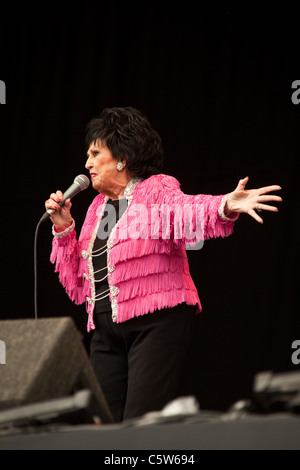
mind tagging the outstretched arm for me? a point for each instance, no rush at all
(247, 201)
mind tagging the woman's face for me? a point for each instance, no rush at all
(103, 168)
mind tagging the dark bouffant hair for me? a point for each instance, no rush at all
(129, 136)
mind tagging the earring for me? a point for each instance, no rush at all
(120, 166)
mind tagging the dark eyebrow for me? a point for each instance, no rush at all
(92, 150)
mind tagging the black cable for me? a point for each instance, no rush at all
(35, 270)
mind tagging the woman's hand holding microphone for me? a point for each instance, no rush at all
(61, 216)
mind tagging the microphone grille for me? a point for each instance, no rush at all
(83, 181)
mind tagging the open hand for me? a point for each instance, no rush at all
(250, 200)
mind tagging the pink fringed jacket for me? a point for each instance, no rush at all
(146, 251)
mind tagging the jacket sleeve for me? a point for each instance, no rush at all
(195, 218)
(65, 255)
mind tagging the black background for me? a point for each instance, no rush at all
(216, 85)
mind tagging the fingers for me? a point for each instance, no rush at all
(255, 216)
(52, 202)
(251, 201)
(261, 207)
(265, 207)
(242, 183)
(68, 203)
(58, 196)
(269, 198)
(55, 199)
(268, 189)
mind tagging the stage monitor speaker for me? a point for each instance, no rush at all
(277, 392)
(45, 360)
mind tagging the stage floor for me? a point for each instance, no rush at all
(277, 431)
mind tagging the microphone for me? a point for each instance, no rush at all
(80, 183)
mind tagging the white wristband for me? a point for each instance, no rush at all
(221, 209)
(65, 232)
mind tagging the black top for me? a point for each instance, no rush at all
(112, 213)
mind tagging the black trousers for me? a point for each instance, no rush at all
(138, 363)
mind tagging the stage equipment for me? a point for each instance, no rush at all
(46, 360)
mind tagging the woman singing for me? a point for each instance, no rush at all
(129, 264)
